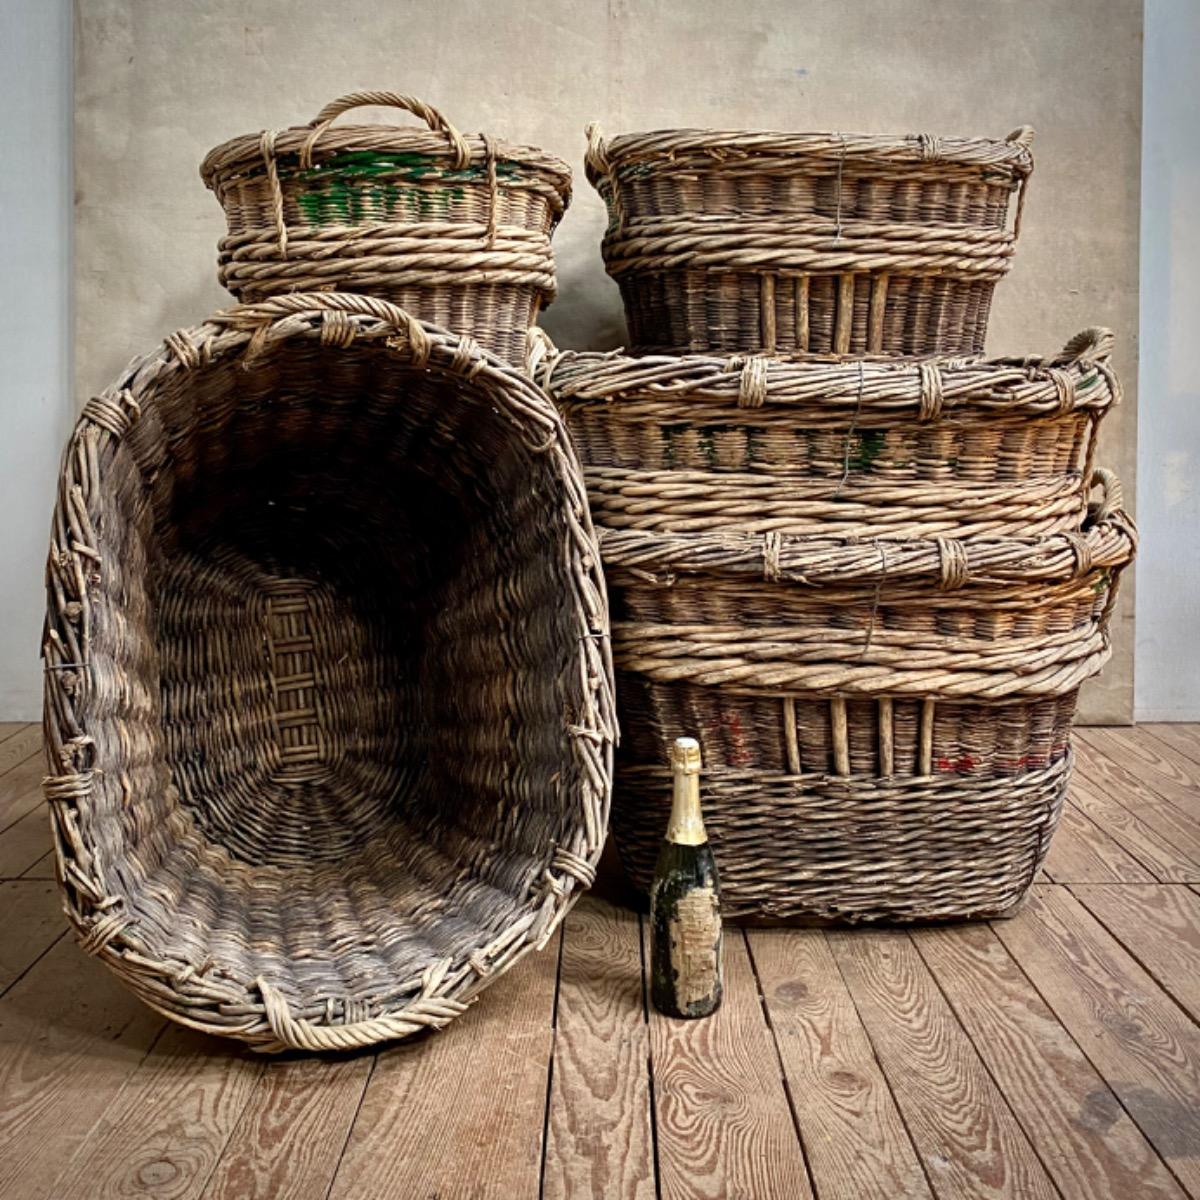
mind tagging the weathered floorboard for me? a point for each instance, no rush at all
(600, 1141)
(968, 1139)
(1086, 1141)
(1082, 852)
(1160, 927)
(852, 1132)
(70, 1035)
(1144, 1046)
(32, 922)
(290, 1138)
(196, 1089)
(461, 1112)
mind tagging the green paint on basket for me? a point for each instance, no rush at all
(370, 185)
(866, 447)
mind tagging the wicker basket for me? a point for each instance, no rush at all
(455, 229)
(894, 449)
(328, 701)
(813, 242)
(884, 724)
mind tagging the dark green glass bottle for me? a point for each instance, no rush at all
(685, 902)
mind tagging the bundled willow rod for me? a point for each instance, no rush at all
(456, 228)
(867, 448)
(811, 242)
(328, 681)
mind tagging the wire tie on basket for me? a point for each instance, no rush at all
(931, 391)
(954, 566)
(837, 231)
(851, 431)
(883, 569)
(752, 382)
(772, 550)
(266, 145)
(1082, 553)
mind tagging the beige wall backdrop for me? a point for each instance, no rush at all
(158, 82)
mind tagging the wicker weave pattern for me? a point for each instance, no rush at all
(929, 448)
(328, 702)
(454, 228)
(808, 242)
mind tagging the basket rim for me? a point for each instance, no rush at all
(1076, 378)
(242, 156)
(683, 147)
(1108, 541)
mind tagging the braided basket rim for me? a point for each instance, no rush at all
(665, 148)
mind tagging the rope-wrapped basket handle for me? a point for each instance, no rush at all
(427, 113)
(1112, 498)
(337, 308)
(1094, 344)
(596, 155)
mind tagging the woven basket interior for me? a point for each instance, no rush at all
(333, 671)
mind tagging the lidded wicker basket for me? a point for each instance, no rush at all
(328, 700)
(811, 242)
(885, 725)
(454, 228)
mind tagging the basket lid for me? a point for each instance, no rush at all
(440, 148)
(692, 147)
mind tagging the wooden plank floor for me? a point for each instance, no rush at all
(1056, 1054)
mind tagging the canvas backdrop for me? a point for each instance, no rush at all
(158, 82)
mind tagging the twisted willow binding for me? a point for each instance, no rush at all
(894, 449)
(811, 242)
(328, 681)
(454, 228)
(884, 725)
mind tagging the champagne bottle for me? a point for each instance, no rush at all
(685, 905)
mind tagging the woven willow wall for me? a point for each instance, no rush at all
(158, 84)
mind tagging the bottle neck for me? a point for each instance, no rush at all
(686, 827)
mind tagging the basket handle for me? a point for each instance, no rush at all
(259, 316)
(430, 115)
(1094, 343)
(597, 150)
(1112, 499)
(1021, 136)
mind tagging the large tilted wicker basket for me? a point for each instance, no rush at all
(884, 723)
(454, 228)
(328, 701)
(812, 242)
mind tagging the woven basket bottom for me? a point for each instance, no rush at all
(855, 848)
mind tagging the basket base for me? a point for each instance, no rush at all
(852, 849)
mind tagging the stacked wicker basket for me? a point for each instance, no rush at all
(328, 701)
(868, 569)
